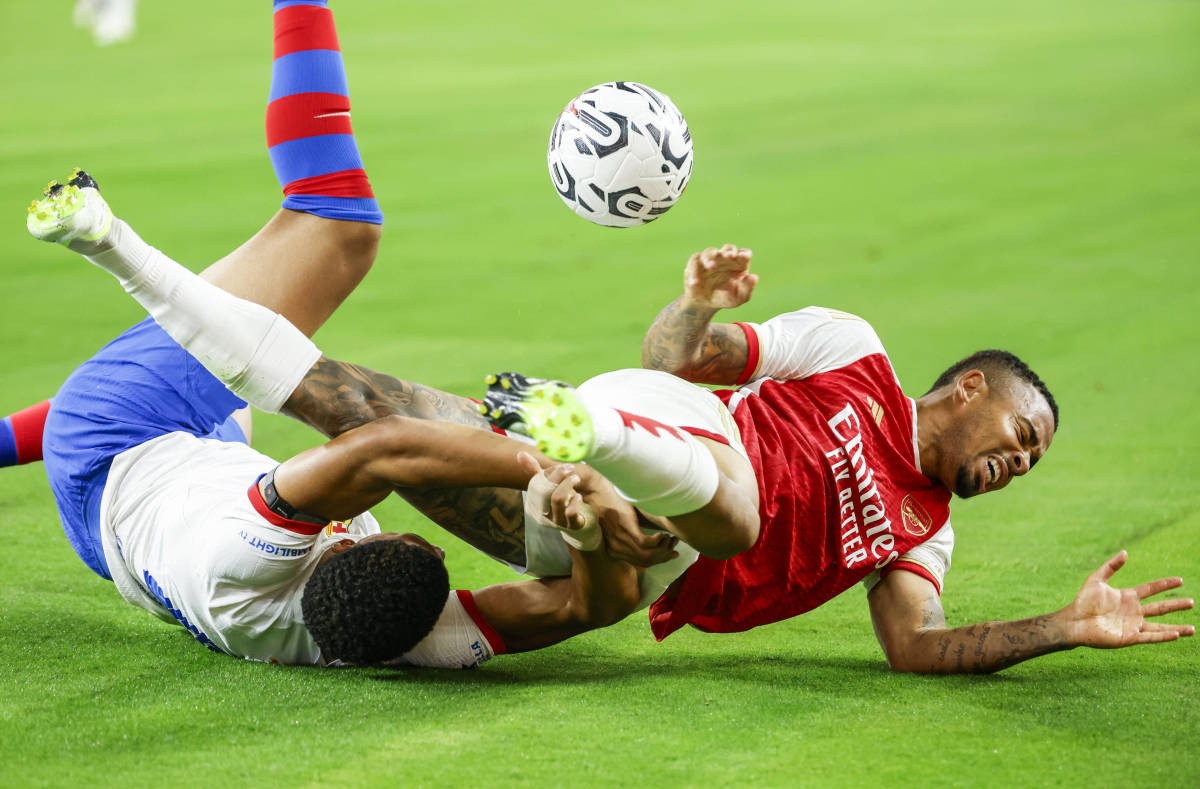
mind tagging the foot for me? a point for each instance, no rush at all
(70, 211)
(114, 22)
(549, 412)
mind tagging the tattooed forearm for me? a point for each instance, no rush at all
(490, 519)
(683, 340)
(336, 396)
(987, 647)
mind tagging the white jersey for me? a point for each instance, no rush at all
(188, 537)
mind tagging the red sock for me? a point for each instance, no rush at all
(21, 435)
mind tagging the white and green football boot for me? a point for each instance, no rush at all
(71, 211)
(549, 412)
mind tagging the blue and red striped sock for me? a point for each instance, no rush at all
(21, 435)
(309, 138)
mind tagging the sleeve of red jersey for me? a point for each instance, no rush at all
(930, 560)
(806, 342)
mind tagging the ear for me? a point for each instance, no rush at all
(970, 386)
(341, 546)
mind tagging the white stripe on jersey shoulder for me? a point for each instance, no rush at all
(811, 341)
(814, 340)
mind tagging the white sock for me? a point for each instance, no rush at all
(661, 469)
(255, 352)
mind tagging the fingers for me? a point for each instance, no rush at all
(565, 502)
(1160, 607)
(1167, 633)
(528, 462)
(641, 550)
(1109, 568)
(1161, 627)
(1151, 588)
(728, 258)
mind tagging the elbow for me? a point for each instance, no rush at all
(903, 657)
(654, 361)
(904, 665)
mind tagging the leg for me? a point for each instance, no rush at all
(269, 363)
(21, 435)
(244, 420)
(314, 252)
(299, 265)
(669, 447)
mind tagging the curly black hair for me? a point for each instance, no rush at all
(995, 361)
(375, 601)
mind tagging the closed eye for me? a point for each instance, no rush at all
(1031, 440)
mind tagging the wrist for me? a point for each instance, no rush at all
(1067, 625)
(698, 307)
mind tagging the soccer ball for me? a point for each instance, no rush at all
(620, 154)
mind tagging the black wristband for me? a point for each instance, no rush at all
(277, 505)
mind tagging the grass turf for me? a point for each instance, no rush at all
(964, 176)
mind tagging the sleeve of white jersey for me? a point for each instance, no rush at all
(258, 554)
(263, 550)
(813, 340)
(462, 638)
(930, 560)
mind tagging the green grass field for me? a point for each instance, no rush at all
(1023, 175)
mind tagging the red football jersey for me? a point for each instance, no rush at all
(832, 439)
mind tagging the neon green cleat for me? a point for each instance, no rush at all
(549, 412)
(70, 211)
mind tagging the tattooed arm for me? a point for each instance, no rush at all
(911, 626)
(683, 339)
(335, 397)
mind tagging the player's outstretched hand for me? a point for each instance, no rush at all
(719, 279)
(1105, 617)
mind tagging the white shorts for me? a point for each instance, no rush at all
(664, 398)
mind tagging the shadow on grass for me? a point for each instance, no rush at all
(832, 674)
(90, 651)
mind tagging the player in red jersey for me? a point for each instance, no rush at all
(815, 474)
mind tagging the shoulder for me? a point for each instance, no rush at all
(810, 341)
(461, 638)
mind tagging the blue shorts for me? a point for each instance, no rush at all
(140, 386)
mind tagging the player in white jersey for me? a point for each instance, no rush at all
(147, 451)
(282, 562)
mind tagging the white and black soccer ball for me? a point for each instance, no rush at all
(620, 154)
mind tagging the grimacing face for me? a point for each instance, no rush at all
(1000, 434)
